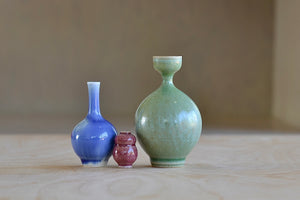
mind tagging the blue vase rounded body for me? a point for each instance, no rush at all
(93, 138)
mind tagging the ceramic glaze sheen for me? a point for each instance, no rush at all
(168, 122)
(93, 138)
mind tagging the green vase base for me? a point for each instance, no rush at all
(165, 163)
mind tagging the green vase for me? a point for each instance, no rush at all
(168, 123)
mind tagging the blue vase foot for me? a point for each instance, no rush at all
(94, 163)
(164, 163)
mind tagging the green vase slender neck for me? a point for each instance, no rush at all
(167, 66)
(167, 80)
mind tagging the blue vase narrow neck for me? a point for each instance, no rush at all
(94, 105)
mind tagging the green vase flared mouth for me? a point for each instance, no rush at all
(167, 65)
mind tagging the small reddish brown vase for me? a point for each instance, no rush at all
(125, 151)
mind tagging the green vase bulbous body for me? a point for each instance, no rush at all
(168, 122)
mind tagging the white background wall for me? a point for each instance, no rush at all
(49, 49)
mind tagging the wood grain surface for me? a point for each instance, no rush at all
(221, 166)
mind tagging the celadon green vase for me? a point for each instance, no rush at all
(168, 123)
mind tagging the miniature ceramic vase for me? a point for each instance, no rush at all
(93, 138)
(168, 122)
(125, 151)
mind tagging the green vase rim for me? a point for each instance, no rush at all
(159, 58)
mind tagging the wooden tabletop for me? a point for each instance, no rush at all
(222, 166)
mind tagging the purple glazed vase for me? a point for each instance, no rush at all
(125, 152)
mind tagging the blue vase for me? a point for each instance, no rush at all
(93, 138)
